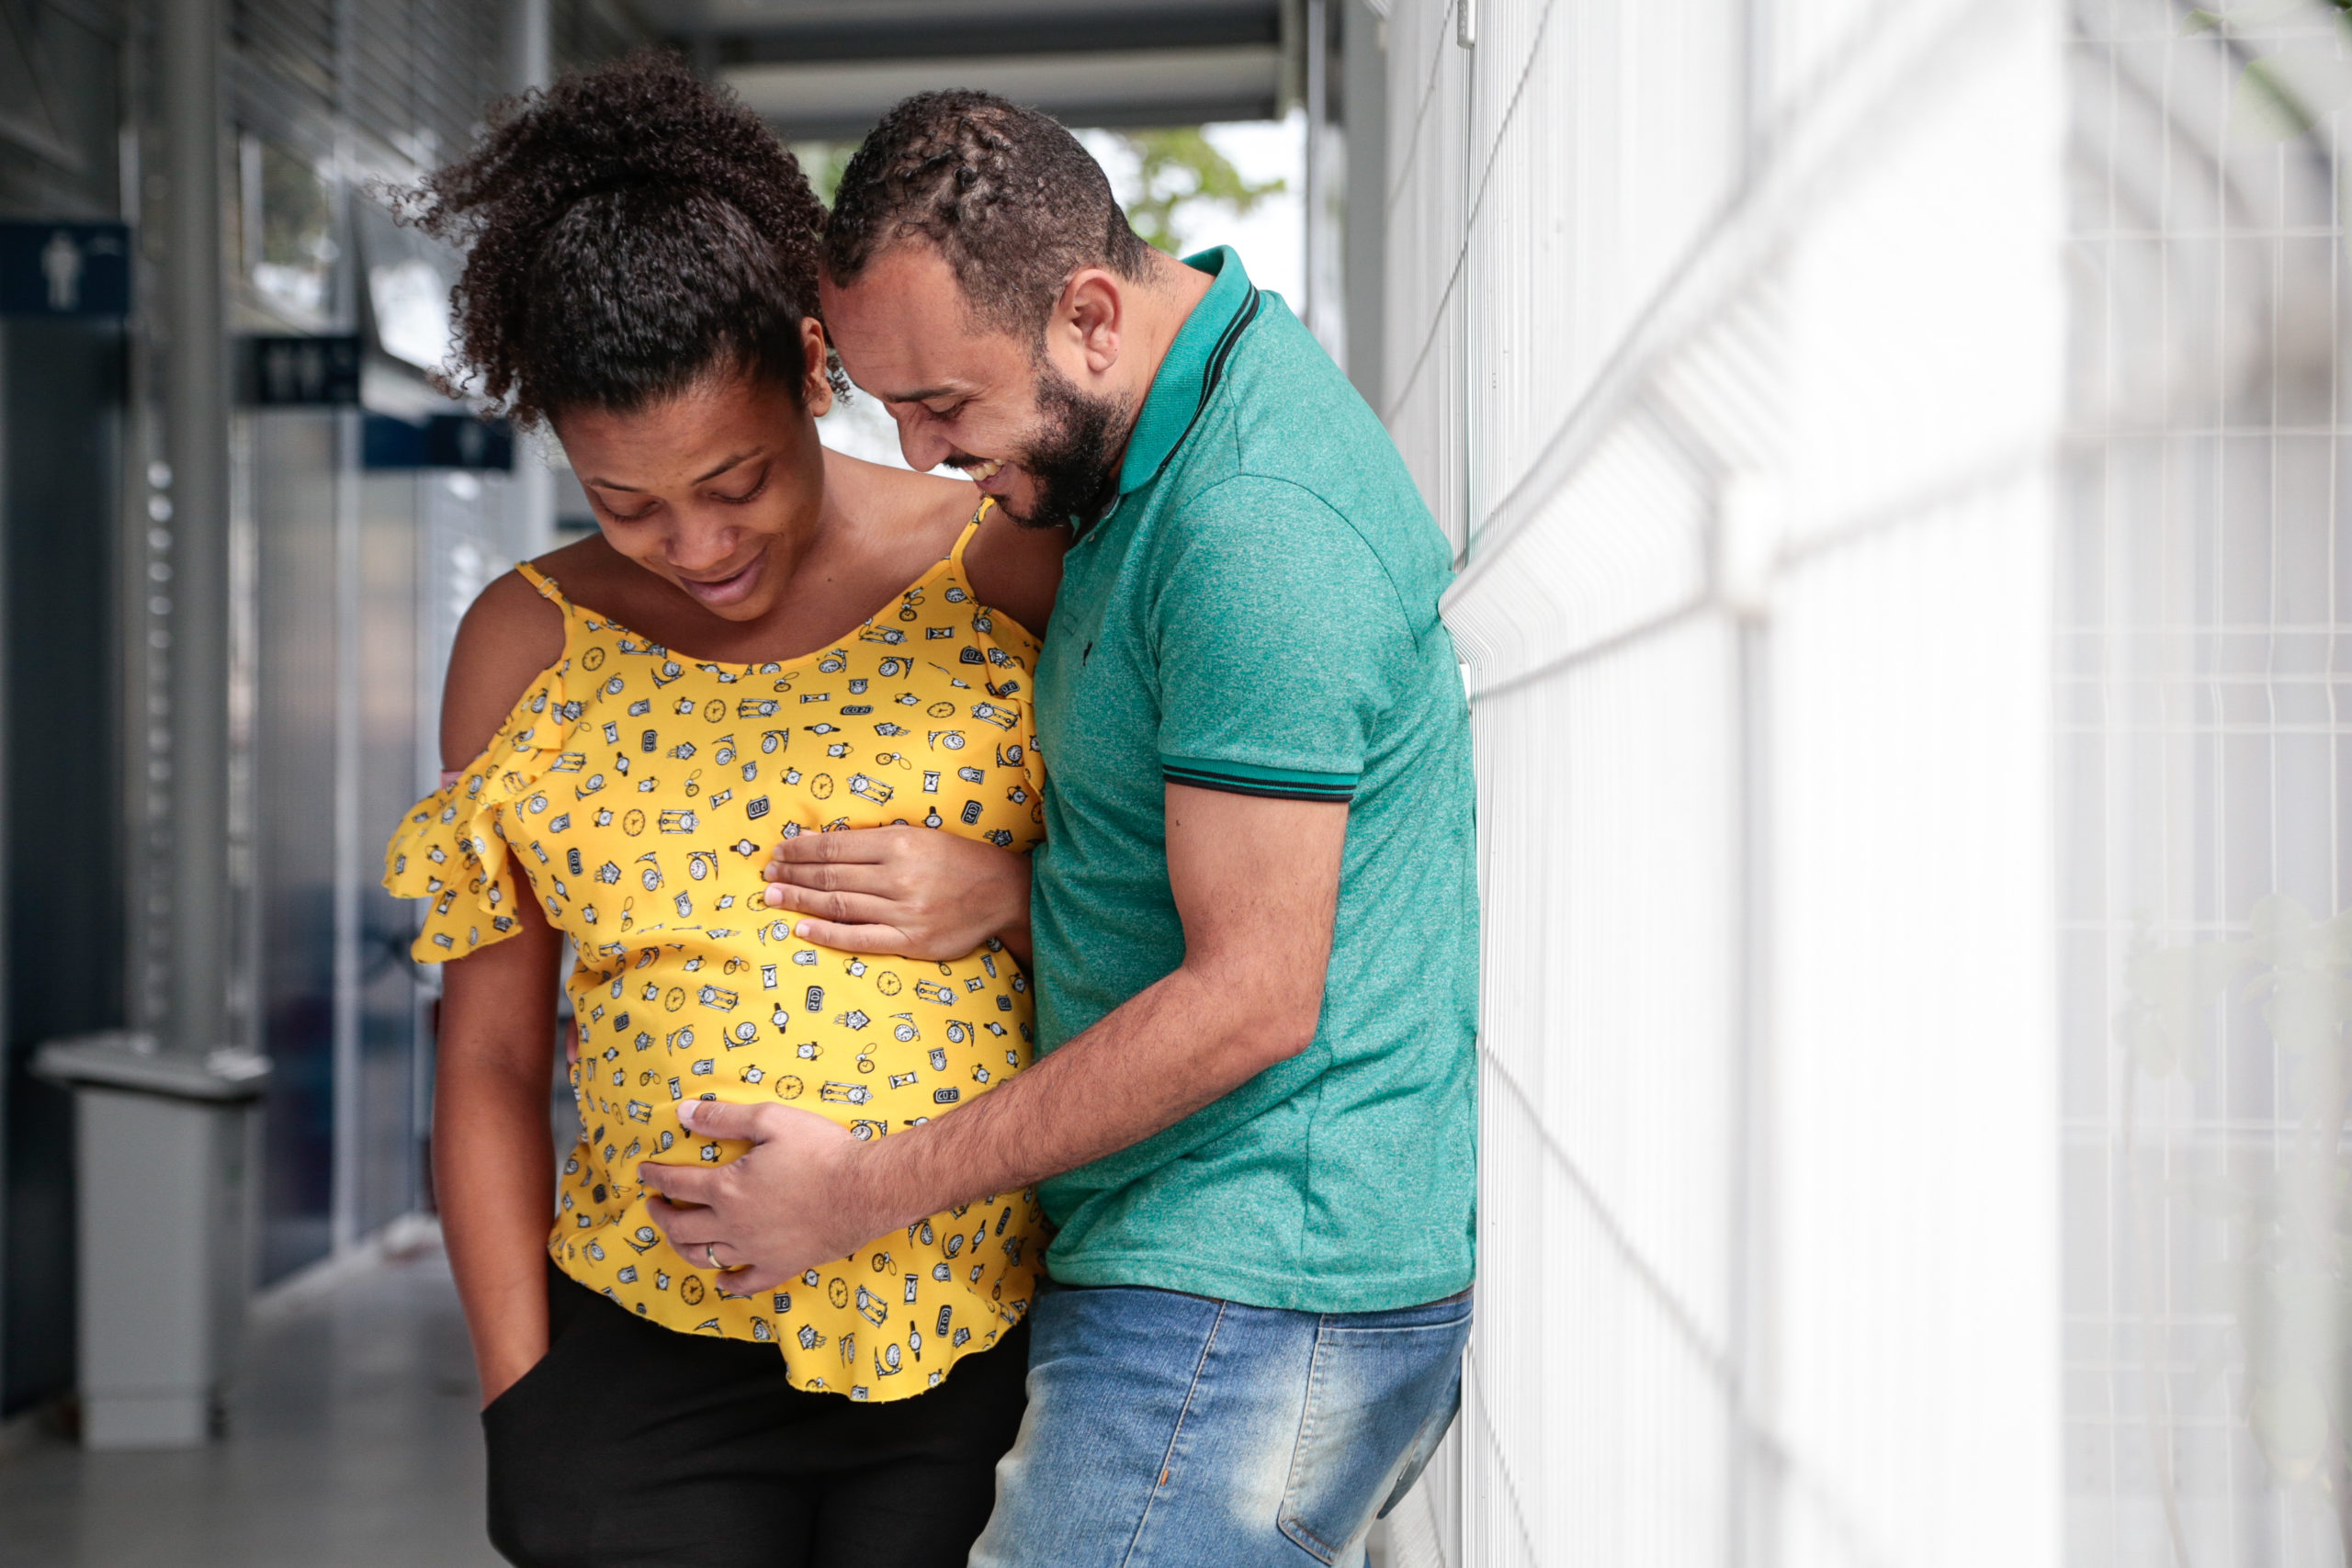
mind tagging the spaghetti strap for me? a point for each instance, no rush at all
(542, 582)
(955, 554)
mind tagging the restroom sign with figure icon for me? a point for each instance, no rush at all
(65, 270)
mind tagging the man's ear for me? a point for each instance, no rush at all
(1090, 316)
(817, 388)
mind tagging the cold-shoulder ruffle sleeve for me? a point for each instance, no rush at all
(451, 847)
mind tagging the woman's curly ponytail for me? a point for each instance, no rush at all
(629, 231)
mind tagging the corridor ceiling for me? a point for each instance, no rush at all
(828, 68)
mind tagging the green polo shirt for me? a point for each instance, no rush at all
(1258, 613)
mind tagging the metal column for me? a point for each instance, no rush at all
(197, 393)
(531, 493)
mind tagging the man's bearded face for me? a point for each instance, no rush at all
(1071, 453)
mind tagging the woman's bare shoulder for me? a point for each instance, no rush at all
(511, 634)
(915, 515)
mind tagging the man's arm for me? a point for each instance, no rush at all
(1256, 883)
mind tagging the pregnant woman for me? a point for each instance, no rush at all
(762, 638)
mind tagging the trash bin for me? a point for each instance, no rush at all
(167, 1150)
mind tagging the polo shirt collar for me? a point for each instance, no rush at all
(1195, 363)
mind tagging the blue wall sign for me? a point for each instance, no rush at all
(65, 270)
(442, 441)
(303, 372)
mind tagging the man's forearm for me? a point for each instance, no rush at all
(1256, 885)
(1170, 1049)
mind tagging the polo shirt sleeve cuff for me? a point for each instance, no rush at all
(1244, 778)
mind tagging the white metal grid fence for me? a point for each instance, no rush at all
(1726, 339)
(2205, 727)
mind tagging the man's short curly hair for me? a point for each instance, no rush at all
(1006, 196)
(629, 231)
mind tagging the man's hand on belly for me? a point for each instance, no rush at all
(788, 1203)
(916, 892)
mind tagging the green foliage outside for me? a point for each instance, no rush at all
(823, 163)
(1177, 171)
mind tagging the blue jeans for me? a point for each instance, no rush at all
(1166, 1430)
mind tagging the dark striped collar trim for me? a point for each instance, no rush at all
(1193, 368)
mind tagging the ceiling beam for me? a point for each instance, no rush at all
(792, 31)
(841, 99)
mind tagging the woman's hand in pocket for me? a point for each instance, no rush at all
(914, 892)
(501, 1364)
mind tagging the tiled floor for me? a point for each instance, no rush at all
(352, 1443)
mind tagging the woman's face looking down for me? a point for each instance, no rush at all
(716, 489)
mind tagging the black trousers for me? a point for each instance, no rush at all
(634, 1446)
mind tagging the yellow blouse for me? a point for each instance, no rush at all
(637, 791)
